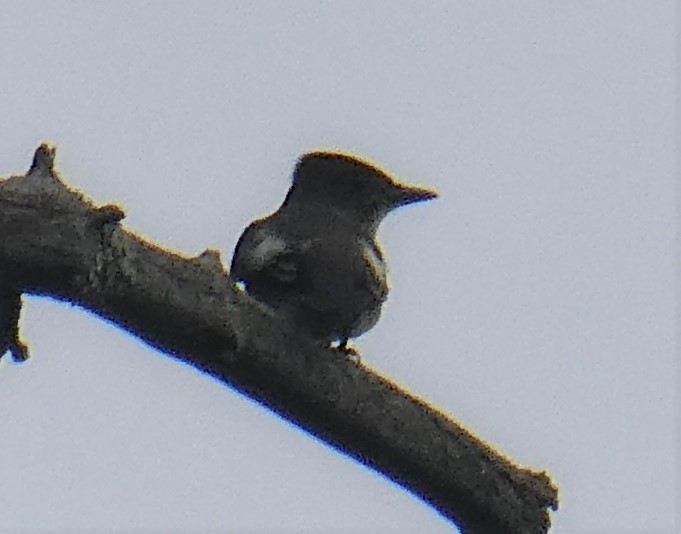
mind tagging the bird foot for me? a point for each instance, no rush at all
(350, 352)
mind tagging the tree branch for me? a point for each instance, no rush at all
(56, 243)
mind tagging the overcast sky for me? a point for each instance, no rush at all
(534, 301)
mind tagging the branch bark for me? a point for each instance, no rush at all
(56, 243)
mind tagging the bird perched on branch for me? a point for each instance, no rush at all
(315, 260)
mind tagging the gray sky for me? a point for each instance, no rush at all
(534, 301)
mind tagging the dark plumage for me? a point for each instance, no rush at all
(316, 260)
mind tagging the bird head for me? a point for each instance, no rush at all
(344, 182)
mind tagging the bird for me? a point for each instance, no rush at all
(316, 261)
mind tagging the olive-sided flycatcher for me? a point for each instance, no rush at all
(315, 260)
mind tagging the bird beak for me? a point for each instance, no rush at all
(409, 195)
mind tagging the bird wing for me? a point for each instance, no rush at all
(322, 272)
(260, 252)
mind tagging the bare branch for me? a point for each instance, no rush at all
(54, 242)
(10, 309)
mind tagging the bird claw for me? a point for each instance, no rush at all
(350, 352)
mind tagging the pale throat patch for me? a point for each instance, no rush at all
(375, 262)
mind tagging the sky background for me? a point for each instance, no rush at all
(535, 301)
